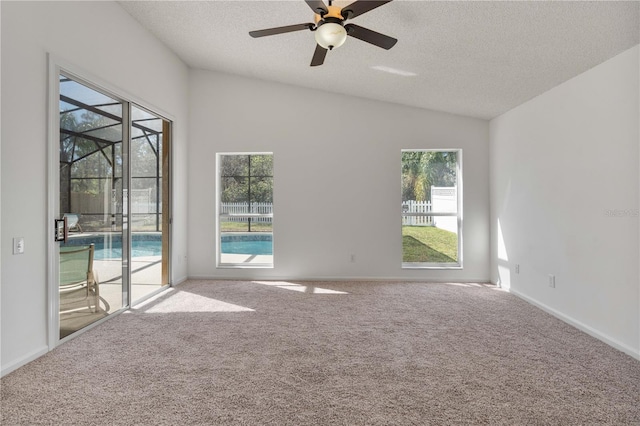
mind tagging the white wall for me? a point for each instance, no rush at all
(101, 38)
(337, 177)
(559, 164)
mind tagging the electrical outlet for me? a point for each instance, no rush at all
(353, 258)
(517, 268)
(552, 281)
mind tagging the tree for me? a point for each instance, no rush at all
(441, 168)
(246, 178)
(423, 169)
(414, 183)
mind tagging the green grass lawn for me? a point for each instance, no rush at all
(243, 227)
(428, 244)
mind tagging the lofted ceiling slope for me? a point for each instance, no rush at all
(476, 58)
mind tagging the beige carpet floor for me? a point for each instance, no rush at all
(330, 353)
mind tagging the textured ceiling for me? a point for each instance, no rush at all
(478, 59)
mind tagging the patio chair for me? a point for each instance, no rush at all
(73, 221)
(78, 280)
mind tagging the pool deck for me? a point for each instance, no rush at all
(146, 273)
(246, 259)
(146, 276)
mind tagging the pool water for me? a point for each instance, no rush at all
(141, 245)
(151, 245)
(247, 244)
(138, 249)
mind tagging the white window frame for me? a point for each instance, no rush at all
(219, 263)
(458, 214)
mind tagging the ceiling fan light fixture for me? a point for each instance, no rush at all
(330, 35)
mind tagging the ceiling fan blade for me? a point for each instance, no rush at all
(317, 6)
(359, 7)
(318, 56)
(370, 36)
(280, 30)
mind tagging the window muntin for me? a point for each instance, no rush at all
(245, 210)
(431, 209)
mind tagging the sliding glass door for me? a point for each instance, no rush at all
(113, 212)
(149, 197)
(92, 280)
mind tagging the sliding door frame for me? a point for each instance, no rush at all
(57, 66)
(166, 211)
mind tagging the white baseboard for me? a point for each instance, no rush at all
(339, 278)
(635, 353)
(179, 281)
(23, 361)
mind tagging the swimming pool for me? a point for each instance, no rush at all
(246, 244)
(110, 247)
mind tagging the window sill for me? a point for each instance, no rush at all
(244, 266)
(448, 266)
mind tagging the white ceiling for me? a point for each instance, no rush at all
(477, 59)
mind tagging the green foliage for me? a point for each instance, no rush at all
(147, 152)
(91, 161)
(423, 169)
(428, 244)
(246, 178)
(89, 158)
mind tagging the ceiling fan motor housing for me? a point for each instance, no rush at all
(332, 12)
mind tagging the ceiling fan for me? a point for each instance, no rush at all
(331, 30)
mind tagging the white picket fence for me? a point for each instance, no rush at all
(236, 210)
(412, 206)
(141, 201)
(443, 200)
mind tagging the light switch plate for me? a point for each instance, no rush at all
(18, 245)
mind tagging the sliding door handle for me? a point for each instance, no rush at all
(61, 230)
